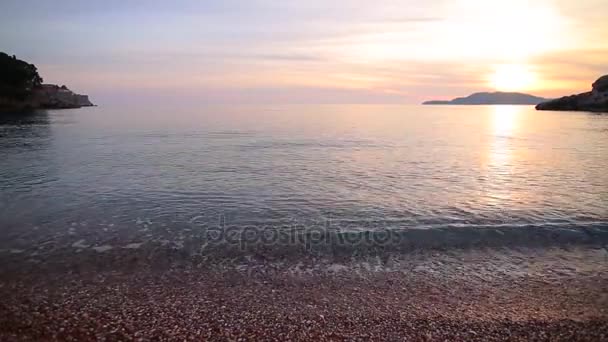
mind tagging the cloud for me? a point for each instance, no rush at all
(574, 63)
(415, 50)
(570, 71)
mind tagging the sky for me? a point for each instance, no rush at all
(313, 51)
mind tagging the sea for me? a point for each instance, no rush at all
(333, 179)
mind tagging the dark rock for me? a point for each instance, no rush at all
(47, 96)
(595, 100)
(52, 96)
(601, 84)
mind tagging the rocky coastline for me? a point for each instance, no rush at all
(595, 100)
(51, 96)
(22, 89)
(47, 96)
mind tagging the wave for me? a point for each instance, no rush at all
(273, 243)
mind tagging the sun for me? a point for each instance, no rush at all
(512, 77)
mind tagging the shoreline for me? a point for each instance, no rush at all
(190, 244)
(555, 293)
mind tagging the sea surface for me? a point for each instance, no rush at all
(125, 176)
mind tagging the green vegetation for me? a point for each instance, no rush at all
(17, 78)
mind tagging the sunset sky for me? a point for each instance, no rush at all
(313, 51)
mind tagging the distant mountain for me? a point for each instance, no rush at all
(496, 98)
(595, 100)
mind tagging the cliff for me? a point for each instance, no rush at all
(21, 89)
(496, 98)
(595, 100)
(47, 96)
(56, 97)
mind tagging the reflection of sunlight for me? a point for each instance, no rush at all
(504, 120)
(504, 126)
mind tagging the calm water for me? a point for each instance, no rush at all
(361, 167)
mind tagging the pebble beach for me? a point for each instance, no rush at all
(551, 294)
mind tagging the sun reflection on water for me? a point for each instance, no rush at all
(505, 120)
(504, 125)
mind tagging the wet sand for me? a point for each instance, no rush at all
(550, 294)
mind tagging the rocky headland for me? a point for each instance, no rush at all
(495, 98)
(21, 89)
(595, 100)
(57, 97)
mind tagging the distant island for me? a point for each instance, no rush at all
(21, 89)
(495, 98)
(595, 100)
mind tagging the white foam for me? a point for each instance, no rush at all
(101, 249)
(80, 244)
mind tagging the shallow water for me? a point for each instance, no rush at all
(352, 168)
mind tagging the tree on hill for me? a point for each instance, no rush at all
(17, 78)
